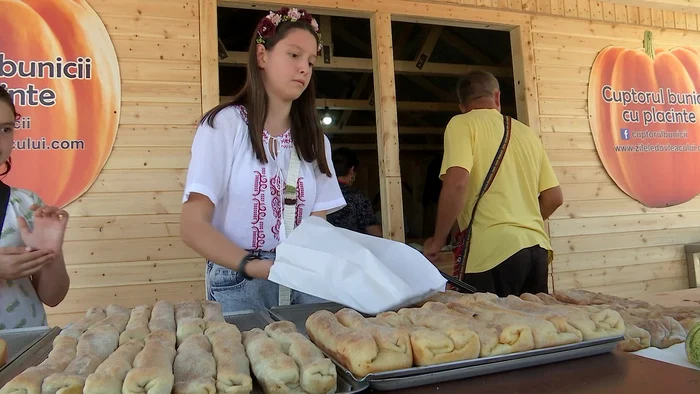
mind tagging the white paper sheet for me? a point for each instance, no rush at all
(672, 355)
(363, 272)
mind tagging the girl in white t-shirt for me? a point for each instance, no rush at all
(241, 198)
(32, 269)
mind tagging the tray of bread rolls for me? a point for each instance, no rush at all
(454, 336)
(185, 347)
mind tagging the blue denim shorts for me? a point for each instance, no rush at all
(235, 293)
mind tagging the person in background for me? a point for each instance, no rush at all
(357, 215)
(32, 267)
(236, 193)
(509, 250)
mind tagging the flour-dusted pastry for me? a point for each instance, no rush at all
(496, 339)
(394, 344)
(275, 371)
(436, 339)
(108, 378)
(162, 317)
(232, 364)
(31, 379)
(137, 328)
(355, 349)
(544, 332)
(318, 374)
(117, 317)
(212, 311)
(152, 371)
(189, 319)
(194, 366)
(93, 347)
(92, 316)
(605, 323)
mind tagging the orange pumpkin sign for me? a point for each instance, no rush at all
(59, 64)
(644, 106)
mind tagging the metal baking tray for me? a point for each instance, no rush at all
(490, 365)
(19, 340)
(248, 320)
(298, 314)
(31, 356)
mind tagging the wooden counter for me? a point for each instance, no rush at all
(614, 373)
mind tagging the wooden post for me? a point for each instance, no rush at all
(208, 50)
(387, 127)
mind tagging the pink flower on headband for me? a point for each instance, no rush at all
(268, 25)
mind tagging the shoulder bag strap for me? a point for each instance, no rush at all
(461, 263)
(289, 212)
(4, 201)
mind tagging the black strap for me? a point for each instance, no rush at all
(461, 262)
(4, 200)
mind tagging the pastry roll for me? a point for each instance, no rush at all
(117, 317)
(605, 323)
(355, 349)
(496, 339)
(318, 374)
(108, 378)
(275, 371)
(31, 379)
(394, 344)
(432, 341)
(137, 327)
(162, 317)
(92, 316)
(544, 332)
(152, 372)
(189, 320)
(212, 311)
(93, 347)
(195, 367)
(232, 364)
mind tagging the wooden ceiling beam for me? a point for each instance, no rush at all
(428, 45)
(350, 64)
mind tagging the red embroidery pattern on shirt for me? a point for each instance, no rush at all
(259, 208)
(300, 201)
(244, 113)
(275, 192)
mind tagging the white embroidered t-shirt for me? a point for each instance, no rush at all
(20, 306)
(248, 196)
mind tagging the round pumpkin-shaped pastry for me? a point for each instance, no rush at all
(59, 64)
(643, 108)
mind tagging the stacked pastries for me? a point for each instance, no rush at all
(184, 348)
(453, 327)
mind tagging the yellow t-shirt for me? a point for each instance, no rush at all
(508, 218)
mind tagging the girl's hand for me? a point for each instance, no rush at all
(259, 269)
(49, 229)
(18, 263)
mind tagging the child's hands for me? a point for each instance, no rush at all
(49, 228)
(18, 262)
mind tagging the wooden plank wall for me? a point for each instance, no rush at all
(123, 243)
(591, 10)
(604, 240)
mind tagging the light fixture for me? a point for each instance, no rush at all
(327, 120)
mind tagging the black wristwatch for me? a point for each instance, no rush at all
(241, 266)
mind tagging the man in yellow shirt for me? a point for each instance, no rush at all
(508, 251)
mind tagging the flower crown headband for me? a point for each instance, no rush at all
(268, 25)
